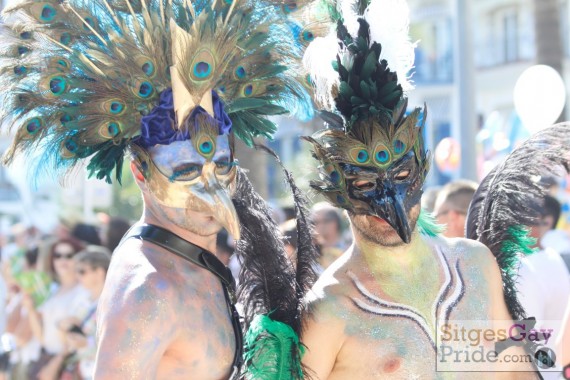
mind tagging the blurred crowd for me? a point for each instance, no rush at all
(50, 284)
(49, 288)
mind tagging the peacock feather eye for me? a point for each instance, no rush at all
(145, 90)
(240, 72)
(20, 70)
(34, 125)
(335, 177)
(308, 36)
(359, 155)
(71, 145)
(113, 129)
(148, 68)
(333, 173)
(362, 156)
(202, 65)
(65, 38)
(248, 90)
(382, 156)
(206, 147)
(110, 129)
(26, 35)
(341, 201)
(57, 85)
(290, 7)
(309, 80)
(23, 50)
(65, 118)
(48, 13)
(202, 70)
(399, 147)
(116, 107)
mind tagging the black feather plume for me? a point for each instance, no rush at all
(267, 277)
(306, 251)
(509, 198)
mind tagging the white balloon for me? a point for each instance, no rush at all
(539, 97)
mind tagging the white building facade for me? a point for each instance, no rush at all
(503, 47)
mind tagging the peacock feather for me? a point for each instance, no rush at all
(361, 92)
(81, 74)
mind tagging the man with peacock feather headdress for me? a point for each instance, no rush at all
(377, 312)
(170, 84)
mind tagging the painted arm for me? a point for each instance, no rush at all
(135, 328)
(34, 316)
(323, 338)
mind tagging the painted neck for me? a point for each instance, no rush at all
(206, 242)
(388, 260)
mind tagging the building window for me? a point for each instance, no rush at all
(434, 62)
(504, 37)
(510, 36)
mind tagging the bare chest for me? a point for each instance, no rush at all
(398, 338)
(205, 346)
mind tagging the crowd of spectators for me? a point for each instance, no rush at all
(49, 288)
(50, 284)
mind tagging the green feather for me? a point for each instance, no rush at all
(369, 65)
(519, 242)
(272, 351)
(428, 226)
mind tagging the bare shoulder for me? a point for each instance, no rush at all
(471, 252)
(136, 319)
(330, 291)
(324, 322)
(137, 276)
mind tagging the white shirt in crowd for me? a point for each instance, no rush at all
(544, 286)
(544, 291)
(72, 303)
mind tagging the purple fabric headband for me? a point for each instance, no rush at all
(157, 126)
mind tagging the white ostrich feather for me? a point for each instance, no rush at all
(389, 22)
(317, 61)
(349, 15)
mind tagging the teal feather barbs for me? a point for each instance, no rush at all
(89, 70)
(268, 348)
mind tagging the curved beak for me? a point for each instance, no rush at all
(217, 200)
(390, 207)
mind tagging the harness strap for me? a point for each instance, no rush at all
(204, 259)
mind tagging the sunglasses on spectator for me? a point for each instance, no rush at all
(83, 271)
(68, 256)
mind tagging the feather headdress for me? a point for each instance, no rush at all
(360, 74)
(79, 76)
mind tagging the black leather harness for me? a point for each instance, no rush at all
(204, 259)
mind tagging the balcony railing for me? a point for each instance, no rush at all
(433, 69)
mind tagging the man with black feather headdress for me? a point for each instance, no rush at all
(391, 306)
